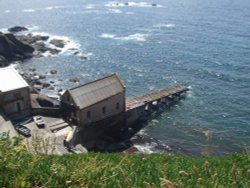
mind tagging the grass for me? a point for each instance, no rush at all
(19, 168)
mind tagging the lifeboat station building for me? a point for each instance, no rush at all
(14, 93)
(101, 102)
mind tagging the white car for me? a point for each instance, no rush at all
(39, 121)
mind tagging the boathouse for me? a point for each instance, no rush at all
(101, 102)
(14, 93)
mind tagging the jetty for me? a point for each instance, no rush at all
(159, 96)
(138, 108)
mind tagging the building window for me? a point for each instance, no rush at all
(104, 110)
(88, 114)
(118, 106)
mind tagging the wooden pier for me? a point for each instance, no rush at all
(140, 108)
(159, 96)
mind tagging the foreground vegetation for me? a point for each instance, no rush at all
(19, 168)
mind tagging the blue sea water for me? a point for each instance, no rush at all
(204, 45)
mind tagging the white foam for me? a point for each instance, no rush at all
(155, 121)
(28, 10)
(107, 36)
(117, 11)
(146, 148)
(7, 11)
(139, 37)
(151, 88)
(130, 13)
(52, 7)
(134, 37)
(85, 55)
(4, 30)
(32, 28)
(131, 4)
(90, 6)
(58, 7)
(70, 45)
(164, 25)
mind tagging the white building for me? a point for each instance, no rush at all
(14, 93)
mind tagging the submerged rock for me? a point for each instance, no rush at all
(83, 57)
(42, 76)
(53, 71)
(74, 79)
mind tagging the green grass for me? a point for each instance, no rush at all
(19, 168)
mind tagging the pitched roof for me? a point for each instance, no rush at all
(10, 79)
(96, 91)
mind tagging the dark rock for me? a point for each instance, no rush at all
(27, 39)
(54, 51)
(31, 39)
(3, 61)
(83, 57)
(32, 69)
(38, 87)
(51, 88)
(75, 53)
(58, 43)
(14, 50)
(17, 29)
(42, 76)
(45, 85)
(53, 71)
(52, 82)
(40, 47)
(154, 5)
(40, 37)
(38, 82)
(74, 79)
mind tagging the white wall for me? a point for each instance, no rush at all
(11, 98)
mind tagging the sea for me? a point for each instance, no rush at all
(154, 44)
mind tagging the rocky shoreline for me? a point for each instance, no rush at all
(39, 82)
(19, 44)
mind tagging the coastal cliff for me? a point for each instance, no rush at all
(12, 49)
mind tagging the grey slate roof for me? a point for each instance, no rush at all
(96, 91)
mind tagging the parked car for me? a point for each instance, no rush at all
(39, 121)
(23, 130)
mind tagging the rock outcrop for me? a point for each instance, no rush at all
(58, 43)
(11, 49)
(26, 45)
(31, 39)
(17, 29)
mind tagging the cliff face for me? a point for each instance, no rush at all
(11, 49)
